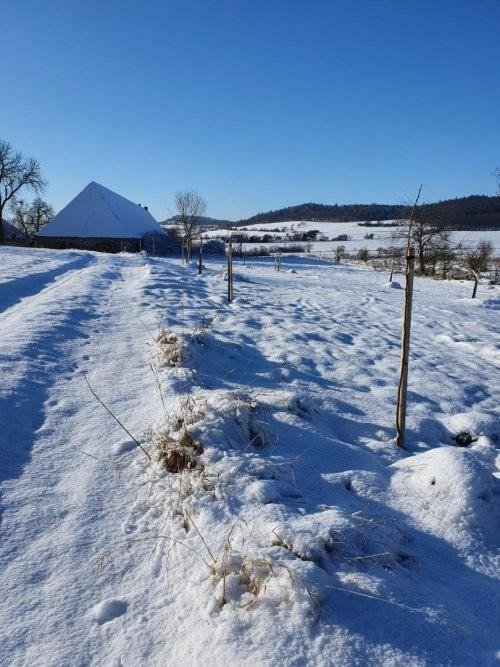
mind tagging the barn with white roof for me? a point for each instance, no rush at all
(100, 219)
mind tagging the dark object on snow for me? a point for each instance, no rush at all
(464, 438)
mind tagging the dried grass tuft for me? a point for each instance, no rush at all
(179, 454)
(170, 346)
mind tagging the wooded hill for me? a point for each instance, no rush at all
(203, 221)
(473, 212)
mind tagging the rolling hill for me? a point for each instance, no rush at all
(476, 212)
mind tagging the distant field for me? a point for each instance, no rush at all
(356, 232)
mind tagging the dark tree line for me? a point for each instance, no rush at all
(477, 212)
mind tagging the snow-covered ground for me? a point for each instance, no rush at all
(299, 535)
(382, 236)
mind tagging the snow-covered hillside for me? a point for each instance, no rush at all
(382, 236)
(289, 530)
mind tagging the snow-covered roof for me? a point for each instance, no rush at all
(101, 213)
(10, 230)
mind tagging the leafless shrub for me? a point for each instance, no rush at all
(479, 258)
(339, 253)
(363, 255)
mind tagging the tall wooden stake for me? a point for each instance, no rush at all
(200, 258)
(405, 334)
(230, 272)
(405, 350)
(182, 246)
(476, 282)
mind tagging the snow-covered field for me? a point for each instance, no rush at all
(382, 235)
(300, 535)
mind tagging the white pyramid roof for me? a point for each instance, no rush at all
(101, 213)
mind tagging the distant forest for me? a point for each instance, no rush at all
(474, 212)
(203, 220)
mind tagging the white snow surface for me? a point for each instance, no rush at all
(303, 536)
(97, 212)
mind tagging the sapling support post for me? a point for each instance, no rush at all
(476, 282)
(230, 272)
(405, 350)
(405, 334)
(200, 257)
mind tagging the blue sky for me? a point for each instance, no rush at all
(257, 104)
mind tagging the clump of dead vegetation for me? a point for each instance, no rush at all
(174, 443)
(245, 578)
(170, 348)
(178, 453)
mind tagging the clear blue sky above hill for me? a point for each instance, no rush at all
(257, 104)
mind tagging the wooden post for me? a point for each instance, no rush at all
(392, 271)
(231, 248)
(230, 272)
(405, 349)
(182, 246)
(476, 281)
(200, 258)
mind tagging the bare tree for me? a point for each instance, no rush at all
(339, 253)
(445, 254)
(479, 258)
(425, 233)
(16, 172)
(363, 255)
(190, 207)
(31, 218)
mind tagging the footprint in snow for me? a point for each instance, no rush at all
(108, 610)
(124, 446)
(344, 338)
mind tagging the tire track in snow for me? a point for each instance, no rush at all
(20, 289)
(55, 562)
